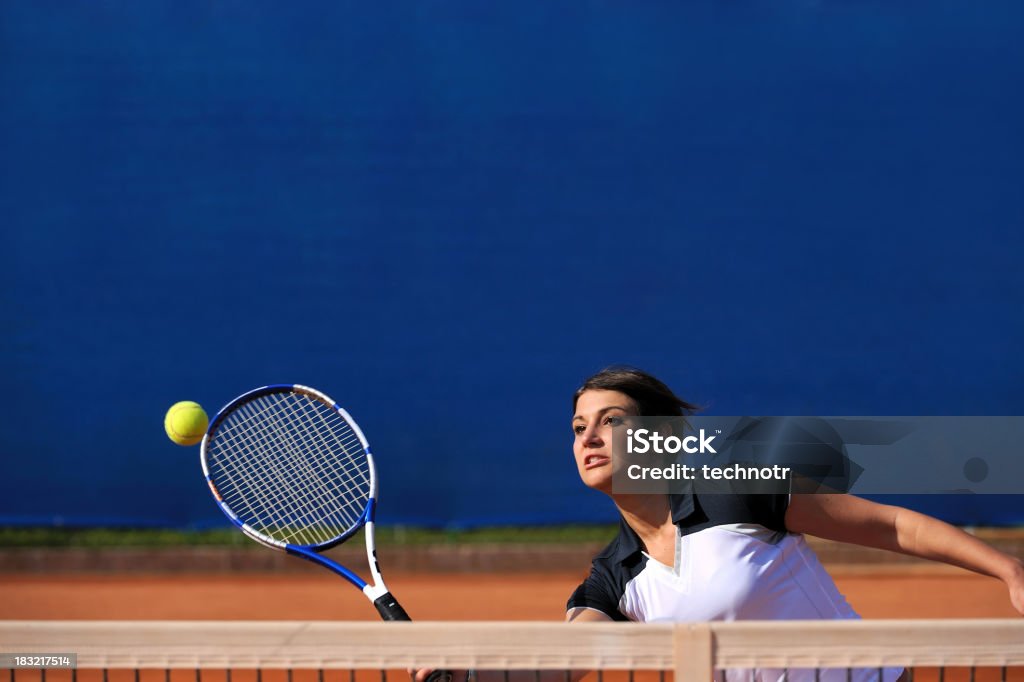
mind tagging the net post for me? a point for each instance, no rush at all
(692, 652)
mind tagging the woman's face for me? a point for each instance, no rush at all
(598, 412)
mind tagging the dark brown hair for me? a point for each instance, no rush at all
(653, 397)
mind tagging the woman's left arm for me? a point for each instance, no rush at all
(846, 518)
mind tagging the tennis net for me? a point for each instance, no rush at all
(776, 651)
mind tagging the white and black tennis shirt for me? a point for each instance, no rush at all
(734, 560)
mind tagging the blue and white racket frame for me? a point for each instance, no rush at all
(377, 592)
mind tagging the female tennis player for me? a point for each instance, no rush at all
(734, 557)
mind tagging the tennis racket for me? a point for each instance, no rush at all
(294, 472)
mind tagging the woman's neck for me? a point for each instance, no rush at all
(645, 514)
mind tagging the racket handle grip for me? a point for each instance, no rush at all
(389, 608)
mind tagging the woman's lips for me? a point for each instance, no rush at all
(594, 461)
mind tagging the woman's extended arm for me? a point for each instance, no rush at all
(846, 518)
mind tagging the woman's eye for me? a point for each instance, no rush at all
(613, 421)
(578, 429)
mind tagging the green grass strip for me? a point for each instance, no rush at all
(229, 537)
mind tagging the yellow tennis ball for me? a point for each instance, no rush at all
(186, 423)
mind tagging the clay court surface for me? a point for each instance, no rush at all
(493, 596)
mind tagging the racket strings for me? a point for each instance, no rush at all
(291, 514)
(304, 475)
(351, 503)
(291, 467)
(255, 479)
(307, 513)
(327, 443)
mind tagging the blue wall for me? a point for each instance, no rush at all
(447, 214)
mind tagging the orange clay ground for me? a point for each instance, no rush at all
(875, 593)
